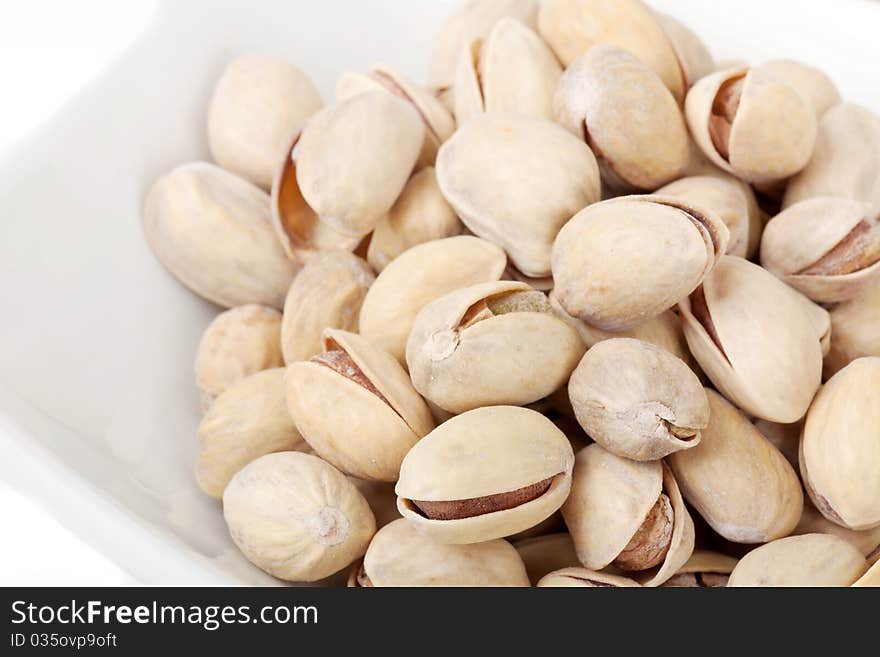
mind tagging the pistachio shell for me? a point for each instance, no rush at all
(362, 419)
(297, 517)
(545, 554)
(855, 330)
(528, 478)
(381, 498)
(866, 541)
(515, 180)
(814, 85)
(417, 277)
(212, 230)
(694, 57)
(784, 437)
(737, 480)
(703, 570)
(569, 577)
(467, 350)
(871, 578)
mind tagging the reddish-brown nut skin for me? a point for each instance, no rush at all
(478, 506)
(649, 545)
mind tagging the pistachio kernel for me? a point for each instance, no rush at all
(724, 111)
(340, 362)
(527, 301)
(649, 545)
(859, 250)
(479, 506)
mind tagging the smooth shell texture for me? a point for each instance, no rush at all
(628, 118)
(297, 517)
(737, 480)
(840, 445)
(763, 352)
(814, 85)
(855, 330)
(638, 400)
(400, 555)
(693, 56)
(626, 260)
(871, 578)
(866, 541)
(515, 180)
(572, 577)
(485, 452)
(212, 230)
(513, 358)
(544, 554)
(417, 277)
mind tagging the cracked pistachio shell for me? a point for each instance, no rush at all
(545, 554)
(575, 576)
(866, 541)
(238, 342)
(611, 499)
(628, 118)
(813, 84)
(808, 560)
(212, 230)
(513, 70)
(703, 570)
(327, 293)
(638, 400)
(420, 215)
(827, 248)
(737, 480)
(515, 180)
(417, 277)
(400, 555)
(573, 27)
(248, 420)
(694, 57)
(855, 330)
(297, 517)
(485, 474)
(871, 578)
(626, 260)
(846, 160)
(756, 339)
(840, 445)
(488, 345)
(356, 407)
(258, 102)
(749, 124)
(381, 498)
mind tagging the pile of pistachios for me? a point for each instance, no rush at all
(585, 309)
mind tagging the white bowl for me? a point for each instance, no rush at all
(98, 409)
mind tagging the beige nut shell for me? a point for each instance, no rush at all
(813, 84)
(871, 579)
(855, 330)
(545, 554)
(701, 563)
(694, 57)
(581, 577)
(866, 541)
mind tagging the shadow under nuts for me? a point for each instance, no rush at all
(581, 577)
(704, 570)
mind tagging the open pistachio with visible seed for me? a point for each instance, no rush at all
(704, 569)
(545, 554)
(813, 84)
(490, 344)
(485, 474)
(855, 330)
(575, 576)
(356, 407)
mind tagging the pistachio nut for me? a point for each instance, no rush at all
(485, 474)
(420, 215)
(488, 345)
(694, 57)
(621, 262)
(381, 498)
(417, 277)
(737, 480)
(638, 400)
(751, 125)
(258, 102)
(551, 525)
(841, 445)
(808, 560)
(703, 570)
(871, 578)
(784, 437)
(297, 517)
(855, 330)
(813, 84)
(828, 248)
(513, 70)
(212, 230)
(327, 293)
(356, 407)
(515, 180)
(248, 420)
(570, 577)
(237, 343)
(630, 120)
(756, 339)
(846, 160)
(866, 541)
(629, 514)
(400, 555)
(545, 554)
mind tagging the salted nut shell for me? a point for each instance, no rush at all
(488, 345)
(871, 578)
(419, 215)
(814, 85)
(447, 491)
(737, 480)
(703, 570)
(855, 330)
(841, 445)
(356, 407)
(212, 230)
(575, 576)
(808, 560)
(297, 517)
(629, 514)
(633, 125)
(545, 554)
(248, 420)
(513, 70)
(756, 339)
(481, 174)
(749, 124)
(327, 293)
(417, 277)
(258, 102)
(866, 541)
(693, 56)
(828, 248)
(400, 555)
(626, 260)
(638, 400)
